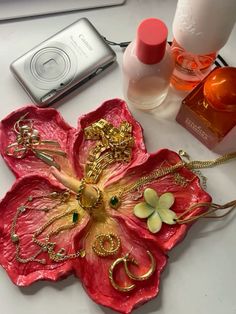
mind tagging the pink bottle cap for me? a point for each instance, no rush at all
(151, 41)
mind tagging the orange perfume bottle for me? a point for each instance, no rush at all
(209, 111)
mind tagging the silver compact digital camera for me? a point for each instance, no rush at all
(63, 62)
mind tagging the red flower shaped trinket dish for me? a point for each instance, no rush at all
(93, 203)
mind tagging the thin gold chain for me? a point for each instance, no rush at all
(163, 171)
(147, 179)
(198, 164)
(48, 246)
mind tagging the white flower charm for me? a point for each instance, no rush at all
(156, 209)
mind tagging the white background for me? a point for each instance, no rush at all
(200, 277)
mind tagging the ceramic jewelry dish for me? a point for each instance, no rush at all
(94, 203)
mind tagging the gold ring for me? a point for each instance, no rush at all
(99, 244)
(94, 204)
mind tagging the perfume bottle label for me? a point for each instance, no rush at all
(194, 125)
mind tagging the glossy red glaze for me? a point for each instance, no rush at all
(92, 270)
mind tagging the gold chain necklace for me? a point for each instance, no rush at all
(59, 198)
(115, 200)
(149, 178)
(196, 164)
(48, 246)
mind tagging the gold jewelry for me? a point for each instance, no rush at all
(113, 145)
(180, 180)
(28, 140)
(126, 259)
(211, 208)
(163, 171)
(140, 183)
(145, 276)
(47, 246)
(60, 197)
(81, 188)
(99, 244)
(94, 204)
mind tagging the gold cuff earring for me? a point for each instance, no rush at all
(126, 259)
(145, 276)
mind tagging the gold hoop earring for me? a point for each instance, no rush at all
(112, 280)
(145, 276)
(125, 260)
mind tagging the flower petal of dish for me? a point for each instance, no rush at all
(167, 216)
(186, 194)
(27, 194)
(143, 210)
(166, 200)
(151, 197)
(49, 125)
(154, 223)
(94, 270)
(114, 112)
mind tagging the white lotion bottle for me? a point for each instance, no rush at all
(148, 66)
(200, 28)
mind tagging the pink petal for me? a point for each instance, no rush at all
(27, 223)
(50, 125)
(169, 235)
(114, 111)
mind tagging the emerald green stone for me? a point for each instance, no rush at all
(114, 201)
(75, 217)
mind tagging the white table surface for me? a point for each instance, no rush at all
(200, 277)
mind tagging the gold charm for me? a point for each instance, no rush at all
(113, 145)
(100, 248)
(28, 140)
(126, 259)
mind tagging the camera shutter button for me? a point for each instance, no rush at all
(99, 70)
